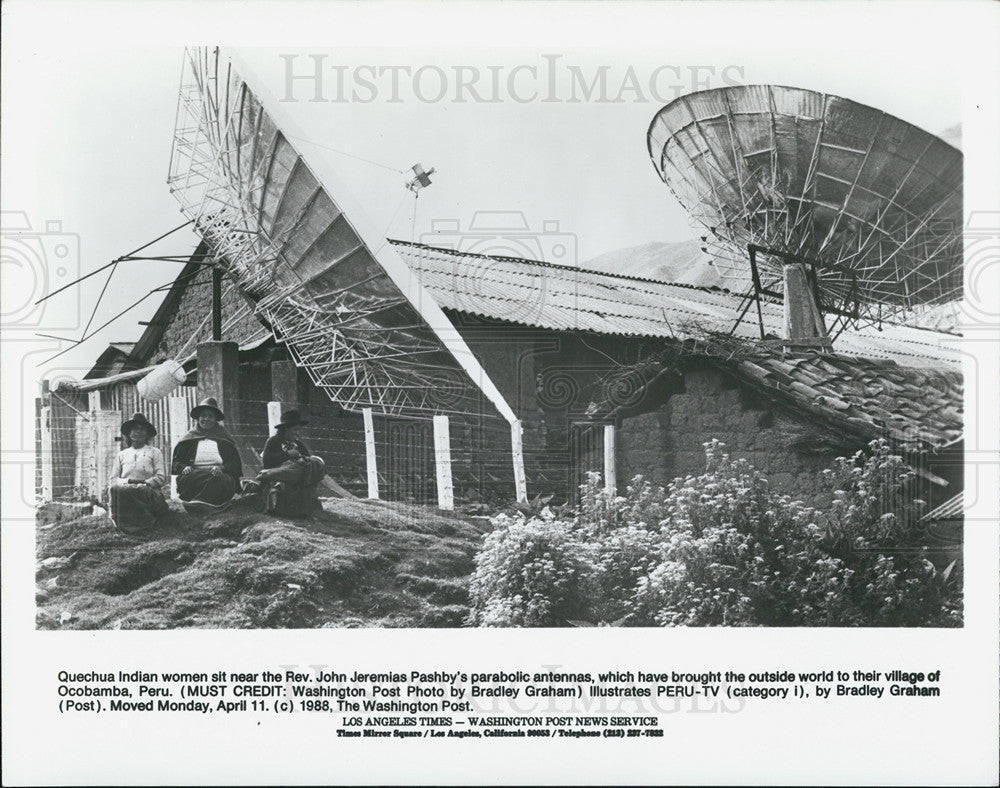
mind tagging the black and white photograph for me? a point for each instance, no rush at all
(568, 360)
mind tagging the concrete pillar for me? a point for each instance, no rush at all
(218, 376)
(287, 385)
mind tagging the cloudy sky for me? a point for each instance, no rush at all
(551, 133)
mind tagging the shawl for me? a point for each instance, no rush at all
(217, 433)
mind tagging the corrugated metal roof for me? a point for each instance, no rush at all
(556, 297)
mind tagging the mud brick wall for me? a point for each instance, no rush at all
(642, 448)
(668, 442)
(550, 380)
(506, 353)
(193, 309)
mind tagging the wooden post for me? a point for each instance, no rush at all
(216, 304)
(93, 405)
(177, 419)
(370, 453)
(45, 425)
(84, 447)
(610, 478)
(106, 426)
(442, 463)
(273, 417)
(517, 450)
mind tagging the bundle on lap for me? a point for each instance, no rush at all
(291, 472)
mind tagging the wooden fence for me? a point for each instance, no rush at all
(78, 435)
(78, 439)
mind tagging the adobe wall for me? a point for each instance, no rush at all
(667, 442)
(191, 313)
(550, 379)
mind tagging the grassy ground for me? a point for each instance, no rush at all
(358, 564)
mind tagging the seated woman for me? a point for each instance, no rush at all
(291, 472)
(207, 462)
(136, 500)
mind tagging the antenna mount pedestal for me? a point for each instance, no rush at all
(803, 319)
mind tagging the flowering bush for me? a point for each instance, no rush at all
(722, 548)
(529, 573)
(732, 552)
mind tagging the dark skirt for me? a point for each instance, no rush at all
(290, 489)
(201, 486)
(136, 507)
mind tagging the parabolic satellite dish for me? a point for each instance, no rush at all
(869, 204)
(349, 310)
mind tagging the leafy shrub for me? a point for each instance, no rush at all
(722, 548)
(620, 558)
(874, 527)
(736, 553)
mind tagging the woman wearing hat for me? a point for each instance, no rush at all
(291, 472)
(136, 500)
(206, 461)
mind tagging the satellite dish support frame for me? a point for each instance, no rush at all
(849, 311)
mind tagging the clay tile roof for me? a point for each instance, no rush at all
(919, 409)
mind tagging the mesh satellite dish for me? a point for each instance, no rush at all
(287, 232)
(838, 208)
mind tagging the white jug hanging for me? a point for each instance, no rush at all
(161, 381)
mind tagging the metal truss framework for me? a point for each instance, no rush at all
(289, 248)
(874, 201)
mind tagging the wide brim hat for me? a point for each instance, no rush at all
(207, 405)
(291, 418)
(138, 420)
